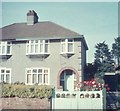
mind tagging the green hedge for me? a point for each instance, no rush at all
(26, 91)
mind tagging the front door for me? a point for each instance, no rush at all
(69, 81)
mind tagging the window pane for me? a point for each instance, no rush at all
(36, 48)
(62, 76)
(28, 71)
(70, 40)
(8, 49)
(8, 71)
(70, 47)
(63, 40)
(32, 48)
(2, 71)
(2, 77)
(34, 78)
(7, 78)
(8, 42)
(32, 41)
(46, 41)
(39, 70)
(45, 78)
(39, 78)
(41, 41)
(34, 70)
(36, 41)
(29, 78)
(62, 84)
(46, 71)
(46, 48)
(3, 50)
(41, 48)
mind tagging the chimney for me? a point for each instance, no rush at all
(32, 17)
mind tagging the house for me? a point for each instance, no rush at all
(43, 53)
(113, 79)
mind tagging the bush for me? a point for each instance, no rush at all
(26, 91)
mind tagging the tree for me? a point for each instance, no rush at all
(89, 71)
(116, 50)
(103, 59)
(102, 52)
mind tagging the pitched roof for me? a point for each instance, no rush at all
(38, 30)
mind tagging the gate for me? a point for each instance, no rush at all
(79, 100)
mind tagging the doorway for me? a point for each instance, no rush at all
(67, 80)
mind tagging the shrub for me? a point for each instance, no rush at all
(26, 91)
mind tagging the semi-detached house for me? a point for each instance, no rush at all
(43, 53)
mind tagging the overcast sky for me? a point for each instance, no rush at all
(97, 21)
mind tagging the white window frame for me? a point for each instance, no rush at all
(42, 73)
(5, 44)
(5, 69)
(66, 42)
(33, 42)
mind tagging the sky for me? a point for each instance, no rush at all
(97, 21)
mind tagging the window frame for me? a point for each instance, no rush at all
(5, 44)
(5, 74)
(66, 42)
(40, 45)
(38, 73)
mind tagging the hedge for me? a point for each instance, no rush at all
(26, 91)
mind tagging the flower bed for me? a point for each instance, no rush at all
(93, 85)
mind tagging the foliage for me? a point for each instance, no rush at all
(102, 52)
(26, 91)
(116, 50)
(103, 59)
(90, 70)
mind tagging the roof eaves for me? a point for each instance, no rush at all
(46, 38)
(85, 44)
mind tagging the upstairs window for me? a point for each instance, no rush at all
(37, 75)
(67, 46)
(5, 75)
(5, 48)
(37, 47)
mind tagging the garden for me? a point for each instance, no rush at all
(21, 96)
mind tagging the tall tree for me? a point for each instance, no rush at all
(103, 59)
(116, 50)
(90, 70)
(102, 53)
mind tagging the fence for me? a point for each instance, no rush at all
(79, 100)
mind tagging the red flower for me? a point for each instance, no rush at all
(108, 88)
(106, 85)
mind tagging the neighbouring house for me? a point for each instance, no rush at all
(113, 79)
(43, 53)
